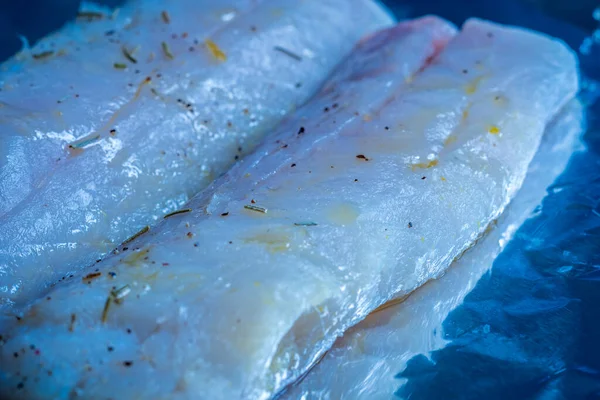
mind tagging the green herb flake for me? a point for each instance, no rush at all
(256, 208)
(115, 296)
(287, 53)
(109, 300)
(119, 294)
(138, 234)
(80, 144)
(43, 55)
(128, 54)
(167, 51)
(90, 15)
(185, 210)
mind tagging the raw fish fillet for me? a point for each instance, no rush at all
(113, 122)
(362, 195)
(364, 363)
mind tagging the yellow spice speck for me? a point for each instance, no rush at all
(429, 164)
(215, 50)
(343, 214)
(449, 140)
(494, 130)
(472, 87)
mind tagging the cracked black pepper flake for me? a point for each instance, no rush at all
(225, 214)
(301, 130)
(128, 363)
(362, 157)
(410, 225)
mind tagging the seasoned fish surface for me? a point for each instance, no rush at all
(352, 201)
(365, 362)
(115, 121)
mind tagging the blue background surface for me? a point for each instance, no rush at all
(541, 300)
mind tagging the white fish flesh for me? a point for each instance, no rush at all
(364, 363)
(115, 121)
(364, 194)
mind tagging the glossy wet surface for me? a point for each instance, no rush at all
(530, 327)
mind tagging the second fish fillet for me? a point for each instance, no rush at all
(365, 362)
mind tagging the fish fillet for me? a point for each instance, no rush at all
(370, 190)
(117, 120)
(364, 363)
